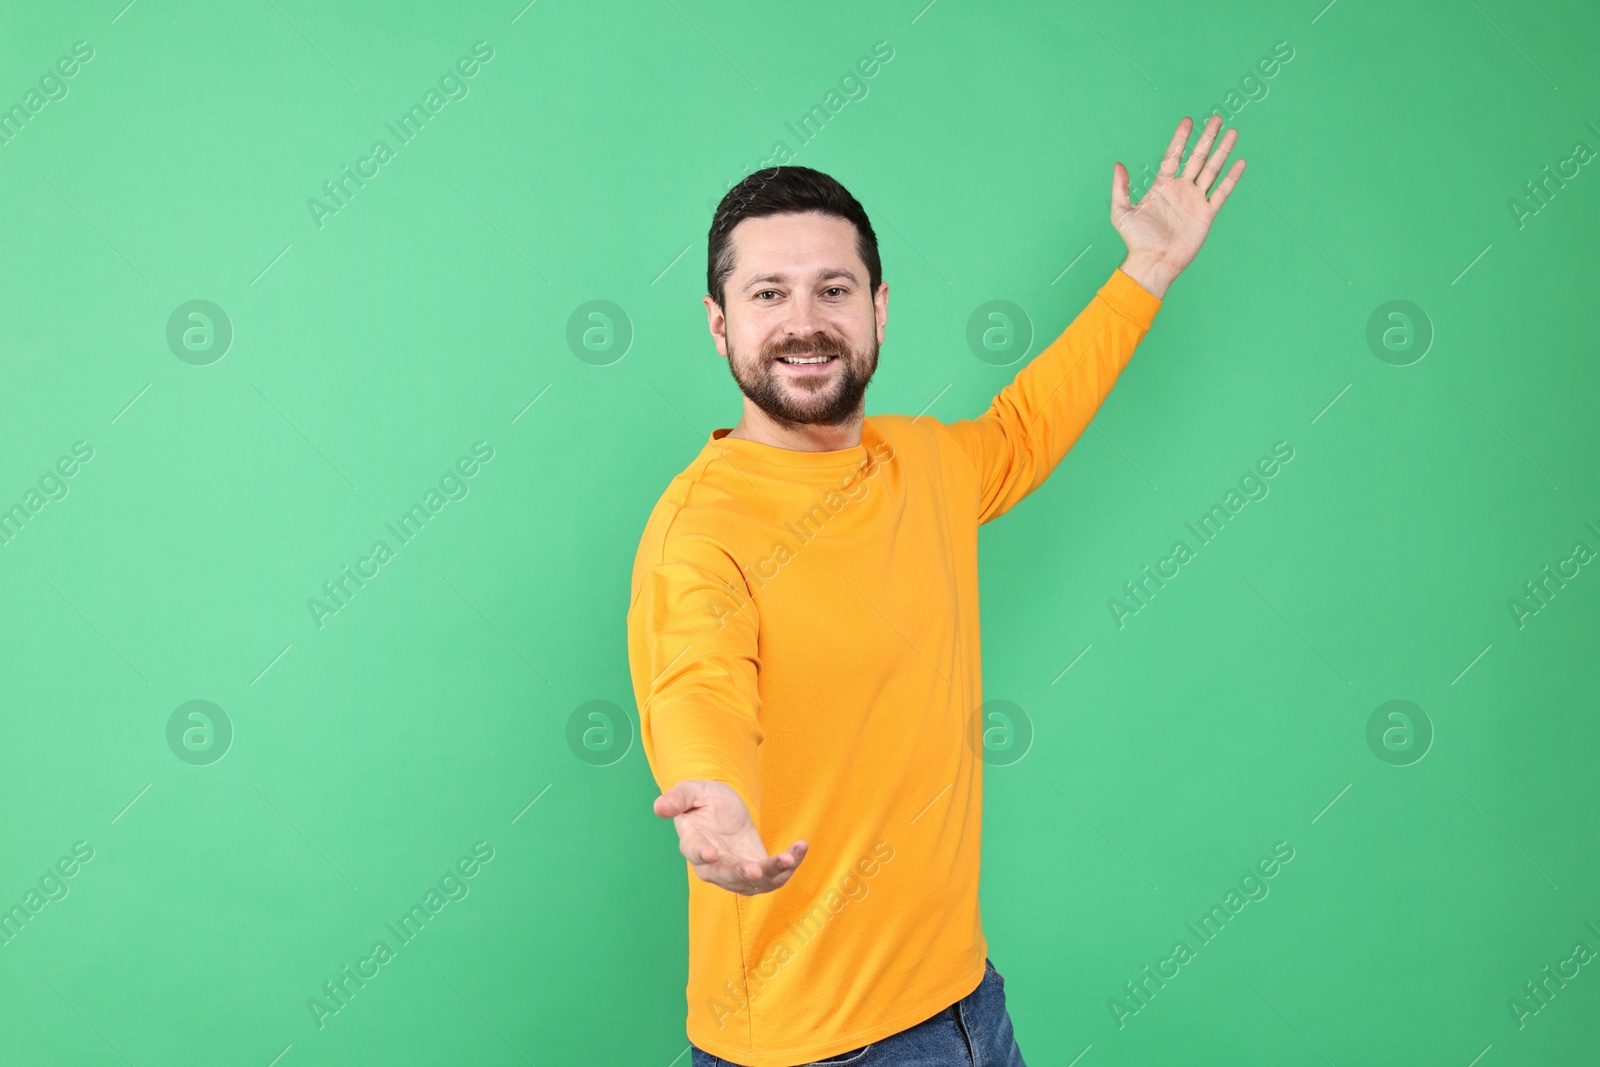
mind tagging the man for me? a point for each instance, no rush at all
(803, 631)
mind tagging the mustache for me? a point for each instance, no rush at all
(822, 345)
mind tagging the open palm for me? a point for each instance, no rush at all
(1170, 222)
(720, 841)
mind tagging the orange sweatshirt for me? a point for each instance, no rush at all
(804, 627)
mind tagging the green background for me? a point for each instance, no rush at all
(368, 754)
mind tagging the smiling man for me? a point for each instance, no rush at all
(803, 631)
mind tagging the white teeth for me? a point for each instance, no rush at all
(810, 359)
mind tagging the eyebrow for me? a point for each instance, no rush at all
(837, 272)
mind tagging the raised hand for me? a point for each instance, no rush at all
(1165, 229)
(721, 843)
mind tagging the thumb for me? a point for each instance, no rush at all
(1119, 190)
(677, 800)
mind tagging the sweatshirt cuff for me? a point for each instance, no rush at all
(1130, 299)
(713, 763)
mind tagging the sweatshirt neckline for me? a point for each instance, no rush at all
(739, 450)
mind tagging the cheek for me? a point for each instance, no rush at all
(746, 349)
(751, 346)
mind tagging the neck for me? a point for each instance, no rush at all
(757, 425)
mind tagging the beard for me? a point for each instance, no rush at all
(826, 399)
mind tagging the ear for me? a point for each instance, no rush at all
(717, 323)
(880, 308)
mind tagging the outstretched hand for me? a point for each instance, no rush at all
(1165, 229)
(721, 843)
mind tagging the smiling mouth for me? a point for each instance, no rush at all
(807, 361)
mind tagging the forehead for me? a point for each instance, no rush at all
(799, 243)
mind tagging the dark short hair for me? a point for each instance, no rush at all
(777, 191)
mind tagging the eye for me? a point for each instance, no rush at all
(836, 289)
(764, 292)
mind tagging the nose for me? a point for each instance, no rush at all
(805, 319)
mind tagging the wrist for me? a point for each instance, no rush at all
(1151, 272)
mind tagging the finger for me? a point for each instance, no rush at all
(1180, 137)
(742, 883)
(699, 851)
(728, 873)
(723, 876)
(773, 866)
(776, 870)
(734, 872)
(696, 847)
(750, 877)
(1198, 156)
(1214, 165)
(1119, 190)
(741, 876)
(1220, 197)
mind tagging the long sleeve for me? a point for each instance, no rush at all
(693, 656)
(1037, 417)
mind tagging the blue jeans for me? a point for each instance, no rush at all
(974, 1030)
